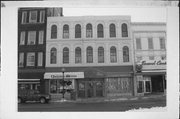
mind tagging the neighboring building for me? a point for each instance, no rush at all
(96, 53)
(150, 57)
(32, 46)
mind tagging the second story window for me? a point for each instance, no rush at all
(124, 30)
(53, 32)
(138, 43)
(31, 38)
(112, 30)
(100, 55)
(162, 43)
(113, 54)
(125, 54)
(89, 54)
(21, 59)
(89, 32)
(40, 58)
(78, 55)
(66, 31)
(53, 56)
(78, 31)
(22, 38)
(41, 37)
(24, 17)
(100, 31)
(30, 59)
(150, 43)
(42, 16)
(33, 17)
(65, 55)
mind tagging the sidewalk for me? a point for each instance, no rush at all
(111, 99)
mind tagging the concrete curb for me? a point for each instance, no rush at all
(107, 100)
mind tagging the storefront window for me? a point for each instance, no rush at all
(118, 85)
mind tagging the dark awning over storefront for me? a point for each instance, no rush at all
(97, 72)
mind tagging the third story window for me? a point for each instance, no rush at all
(41, 37)
(53, 31)
(124, 30)
(22, 38)
(89, 31)
(100, 32)
(66, 31)
(30, 59)
(31, 38)
(112, 29)
(78, 31)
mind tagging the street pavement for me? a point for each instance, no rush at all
(110, 105)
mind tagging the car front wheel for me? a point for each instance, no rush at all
(42, 100)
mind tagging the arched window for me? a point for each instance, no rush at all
(112, 30)
(66, 31)
(78, 55)
(124, 30)
(53, 31)
(100, 55)
(53, 55)
(65, 55)
(89, 54)
(100, 32)
(89, 32)
(113, 54)
(125, 54)
(78, 31)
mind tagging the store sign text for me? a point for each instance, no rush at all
(154, 63)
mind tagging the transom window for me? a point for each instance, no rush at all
(65, 55)
(66, 31)
(100, 55)
(100, 31)
(33, 17)
(113, 54)
(125, 54)
(53, 31)
(89, 53)
(89, 32)
(78, 31)
(112, 30)
(53, 56)
(124, 30)
(78, 55)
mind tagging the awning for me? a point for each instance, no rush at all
(153, 72)
(28, 81)
(67, 75)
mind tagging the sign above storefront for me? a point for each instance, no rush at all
(154, 63)
(67, 75)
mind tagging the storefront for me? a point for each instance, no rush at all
(151, 78)
(91, 82)
(29, 84)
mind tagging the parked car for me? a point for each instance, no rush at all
(32, 95)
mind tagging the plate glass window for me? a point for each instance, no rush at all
(22, 38)
(33, 17)
(41, 37)
(31, 59)
(21, 59)
(31, 37)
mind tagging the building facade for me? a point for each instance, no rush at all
(149, 41)
(32, 46)
(96, 53)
